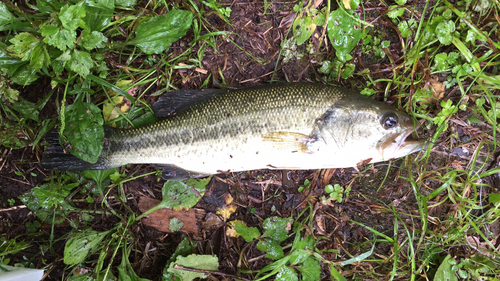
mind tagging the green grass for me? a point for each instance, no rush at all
(436, 60)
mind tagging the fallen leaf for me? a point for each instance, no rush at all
(226, 211)
(438, 88)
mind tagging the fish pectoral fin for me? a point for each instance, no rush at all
(175, 102)
(175, 173)
(295, 142)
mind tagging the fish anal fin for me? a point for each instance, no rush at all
(295, 142)
(175, 173)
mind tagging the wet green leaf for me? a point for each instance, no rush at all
(39, 57)
(70, 16)
(99, 13)
(444, 32)
(272, 249)
(310, 270)
(276, 228)
(175, 224)
(10, 135)
(184, 248)
(57, 37)
(9, 94)
(224, 12)
(447, 14)
(447, 110)
(368, 92)
(347, 70)
(445, 271)
(336, 193)
(359, 258)
(48, 6)
(27, 109)
(84, 133)
(343, 32)
(7, 61)
(11, 246)
(482, 6)
(286, 273)
(80, 62)
(471, 36)
(24, 75)
(351, 4)
(115, 177)
(299, 256)
(474, 119)
(5, 15)
(395, 12)
(156, 35)
(199, 184)
(440, 62)
(33, 227)
(335, 274)
(48, 200)
(125, 3)
(248, 233)
(101, 177)
(125, 270)
(23, 45)
(326, 68)
(80, 244)
(404, 29)
(178, 195)
(93, 40)
(303, 243)
(204, 262)
(319, 19)
(65, 56)
(303, 28)
(462, 70)
(494, 198)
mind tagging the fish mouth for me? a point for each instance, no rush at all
(400, 144)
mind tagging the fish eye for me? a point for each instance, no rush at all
(389, 120)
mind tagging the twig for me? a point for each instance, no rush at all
(13, 208)
(256, 258)
(210, 272)
(5, 161)
(20, 181)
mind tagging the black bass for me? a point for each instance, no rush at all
(284, 126)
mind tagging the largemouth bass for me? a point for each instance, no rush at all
(288, 126)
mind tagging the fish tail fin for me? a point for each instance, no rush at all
(56, 158)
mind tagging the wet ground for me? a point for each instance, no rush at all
(375, 194)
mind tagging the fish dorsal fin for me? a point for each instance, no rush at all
(175, 102)
(295, 142)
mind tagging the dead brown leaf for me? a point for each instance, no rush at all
(160, 219)
(438, 88)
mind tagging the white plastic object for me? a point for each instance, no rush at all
(19, 273)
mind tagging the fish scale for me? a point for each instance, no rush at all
(228, 115)
(288, 126)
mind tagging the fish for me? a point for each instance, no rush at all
(294, 126)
